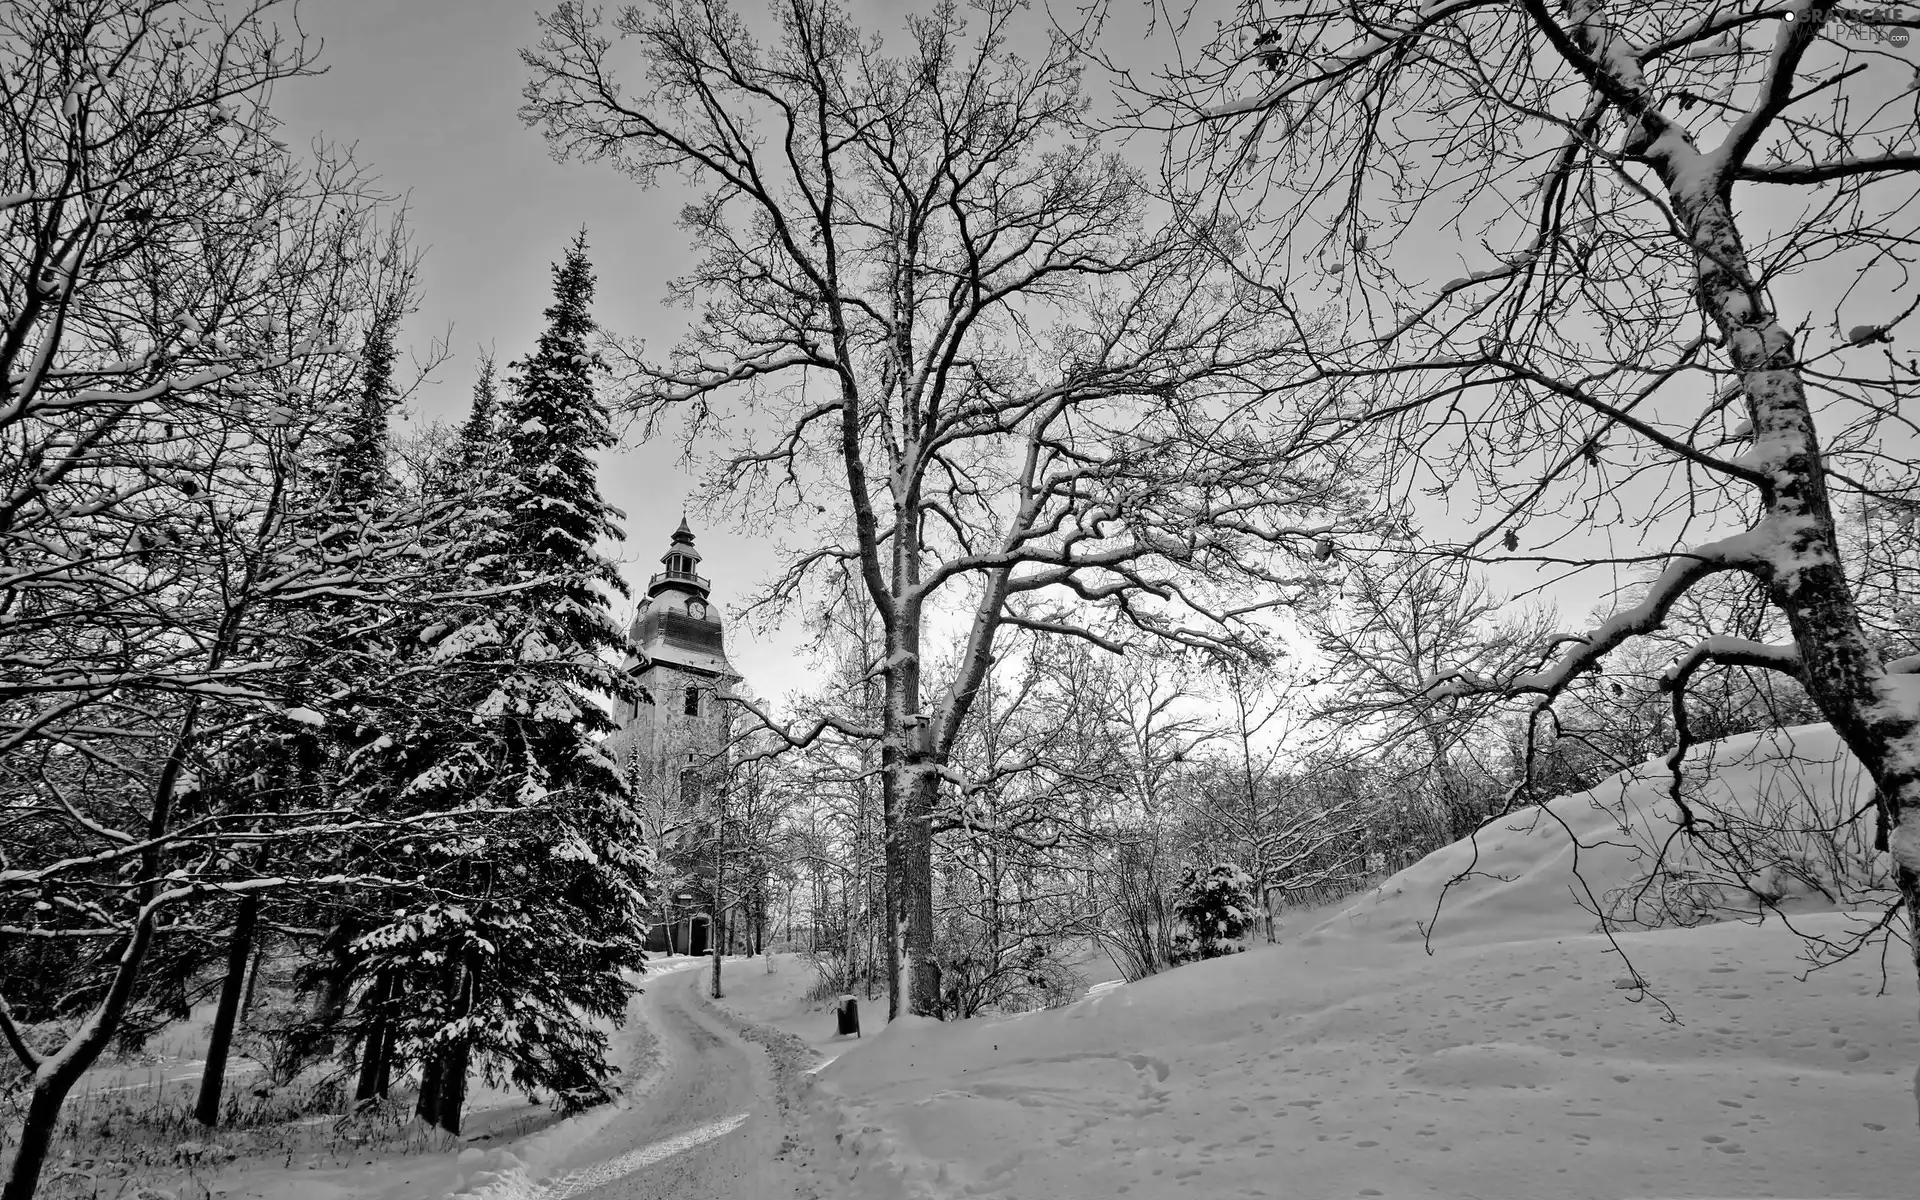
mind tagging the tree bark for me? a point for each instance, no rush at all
(375, 1047)
(923, 970)
(54, 1076)
(453, 1089)
(239, 951)
(443, 1082)
(890, 887)
(1873, 714)
(330, 996)
(36, 1133)
(253, 978)
(426, 1106)
(714, 933)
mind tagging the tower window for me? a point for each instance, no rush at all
(693, 702)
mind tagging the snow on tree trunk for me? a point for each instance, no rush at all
(55, 1074)
(1798, 559)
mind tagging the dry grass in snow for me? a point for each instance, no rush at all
(128, 1131)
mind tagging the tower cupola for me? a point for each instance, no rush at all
(682, 563)
(676, 623)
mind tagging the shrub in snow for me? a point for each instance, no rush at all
(1216, 905)
(977, 976)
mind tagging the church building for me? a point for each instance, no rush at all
(674, 741)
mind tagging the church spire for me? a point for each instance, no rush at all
(676, 626)
(682, 564)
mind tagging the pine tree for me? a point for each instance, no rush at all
(478, 436)
(518, 976)
(552, 423)
(362, 468)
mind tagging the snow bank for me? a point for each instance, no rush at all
(1551, 871)
(1508, 1065)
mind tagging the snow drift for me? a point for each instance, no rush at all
(1516, 1061)
(1777, 809)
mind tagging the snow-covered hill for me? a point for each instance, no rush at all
(1516, 1061)
(1551, 870)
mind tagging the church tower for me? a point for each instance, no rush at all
(674, 741)
(682, 667)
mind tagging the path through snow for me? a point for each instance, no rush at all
(718, 1123)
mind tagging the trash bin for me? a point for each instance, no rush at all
(848, 1016)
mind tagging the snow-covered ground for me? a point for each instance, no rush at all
(1520, 1059)
(713, 1119)
(1517, 1061)
(313, 1159)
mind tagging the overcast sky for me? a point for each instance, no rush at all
(427, 90)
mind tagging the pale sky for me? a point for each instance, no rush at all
(427, 90)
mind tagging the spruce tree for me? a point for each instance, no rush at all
(361, 462)
(552, 423)
(518, 976)
(479, 436)
(349, 511)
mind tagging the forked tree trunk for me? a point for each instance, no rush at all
(213, 1077)
(36, 1133)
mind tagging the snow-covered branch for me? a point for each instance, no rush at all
(1734, 652)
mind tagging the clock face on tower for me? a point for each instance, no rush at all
(697, 609)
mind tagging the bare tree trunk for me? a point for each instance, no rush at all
(253, 977)
(375, 1046)
(36, 1133)
(719, 887)
(55, 1075)
(1873, 713)
(891, 927)
(923, 970)
(239, 950)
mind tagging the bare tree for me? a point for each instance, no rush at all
(1394, 626)
(175, 288)
(1149, 724)
(1628, 185)
(1284, 836)
(939, 321)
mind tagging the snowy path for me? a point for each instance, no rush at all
(714, 1127)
